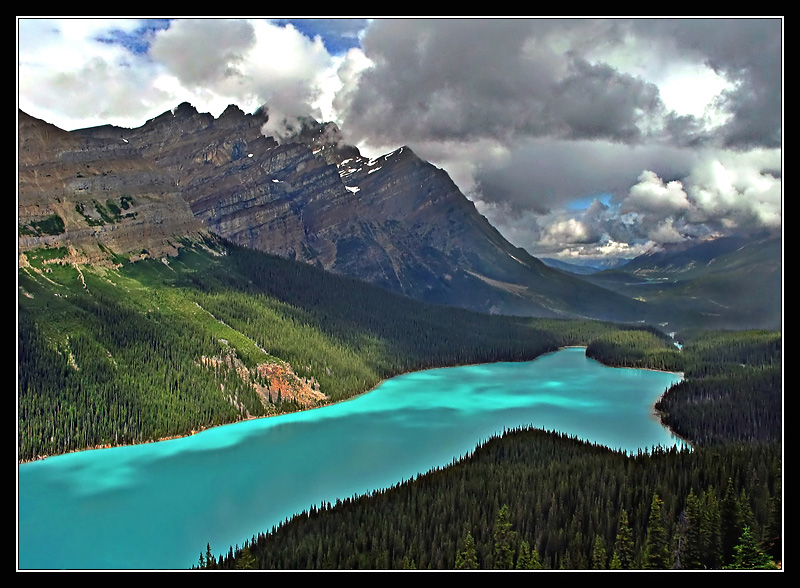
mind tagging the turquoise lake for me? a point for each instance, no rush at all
(157, 505)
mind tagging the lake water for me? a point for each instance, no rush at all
(157, 505)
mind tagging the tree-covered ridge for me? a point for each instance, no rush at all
(643, 348)
(732, 386)
(530, 499)
(150, 350)
(732, 389)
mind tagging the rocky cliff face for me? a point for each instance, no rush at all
(397, 221)
(95, 197)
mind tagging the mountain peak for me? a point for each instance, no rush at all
(184, 110)
(396, 221)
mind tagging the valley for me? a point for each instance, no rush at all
(193, 272)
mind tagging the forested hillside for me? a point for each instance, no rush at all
(532, 499)
(156, 349)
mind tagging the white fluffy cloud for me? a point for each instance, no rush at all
(70, 78)
(724, 192)
(79, 73)
(652, 195)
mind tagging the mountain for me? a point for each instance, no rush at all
(579, 268)
(95, 196)
(396, 221)
(728, 282)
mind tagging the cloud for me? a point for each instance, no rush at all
(676, 122)
(544, 174)
(99, 71)
(205, 53)
(339, 35)
(70, 75)
(737, 191)
(748, 54)
(462, 79)
(723, 193)
(652, 195)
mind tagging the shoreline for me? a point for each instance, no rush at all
(377, 385)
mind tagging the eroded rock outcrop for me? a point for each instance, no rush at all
(275, 382)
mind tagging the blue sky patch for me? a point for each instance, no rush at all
(137, 41)
(338, 34)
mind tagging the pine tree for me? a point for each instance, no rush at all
(656, 544)
(711, 531)
(747, 555)
(245, 561)
(211, 561)
(693, 548)
(624, 550)
(773, 530)
(598, 554)
(467, 558)
(528, 558)
(731, 523)
(503, 541)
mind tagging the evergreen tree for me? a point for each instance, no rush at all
(656, 544)
(693, 546)
(598, 554)
(211, 561)
(747, 555)
(711, 531)
(245, 561)
(773, 530)
(624, 550)
(467, 558)
(731, 522)
(528, 558)
(504, 539)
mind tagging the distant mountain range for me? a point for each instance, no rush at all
(582, 269)
(111, 193)
(731, 281)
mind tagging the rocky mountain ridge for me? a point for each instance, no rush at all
(95, 197)
(396, 221)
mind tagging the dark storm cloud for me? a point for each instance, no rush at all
(449, 80)
(597, 102)
(465, 79)
(748, 52)
(543, 174)
(459, 80)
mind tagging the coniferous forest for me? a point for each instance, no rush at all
(139, 352)
(532, 499)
